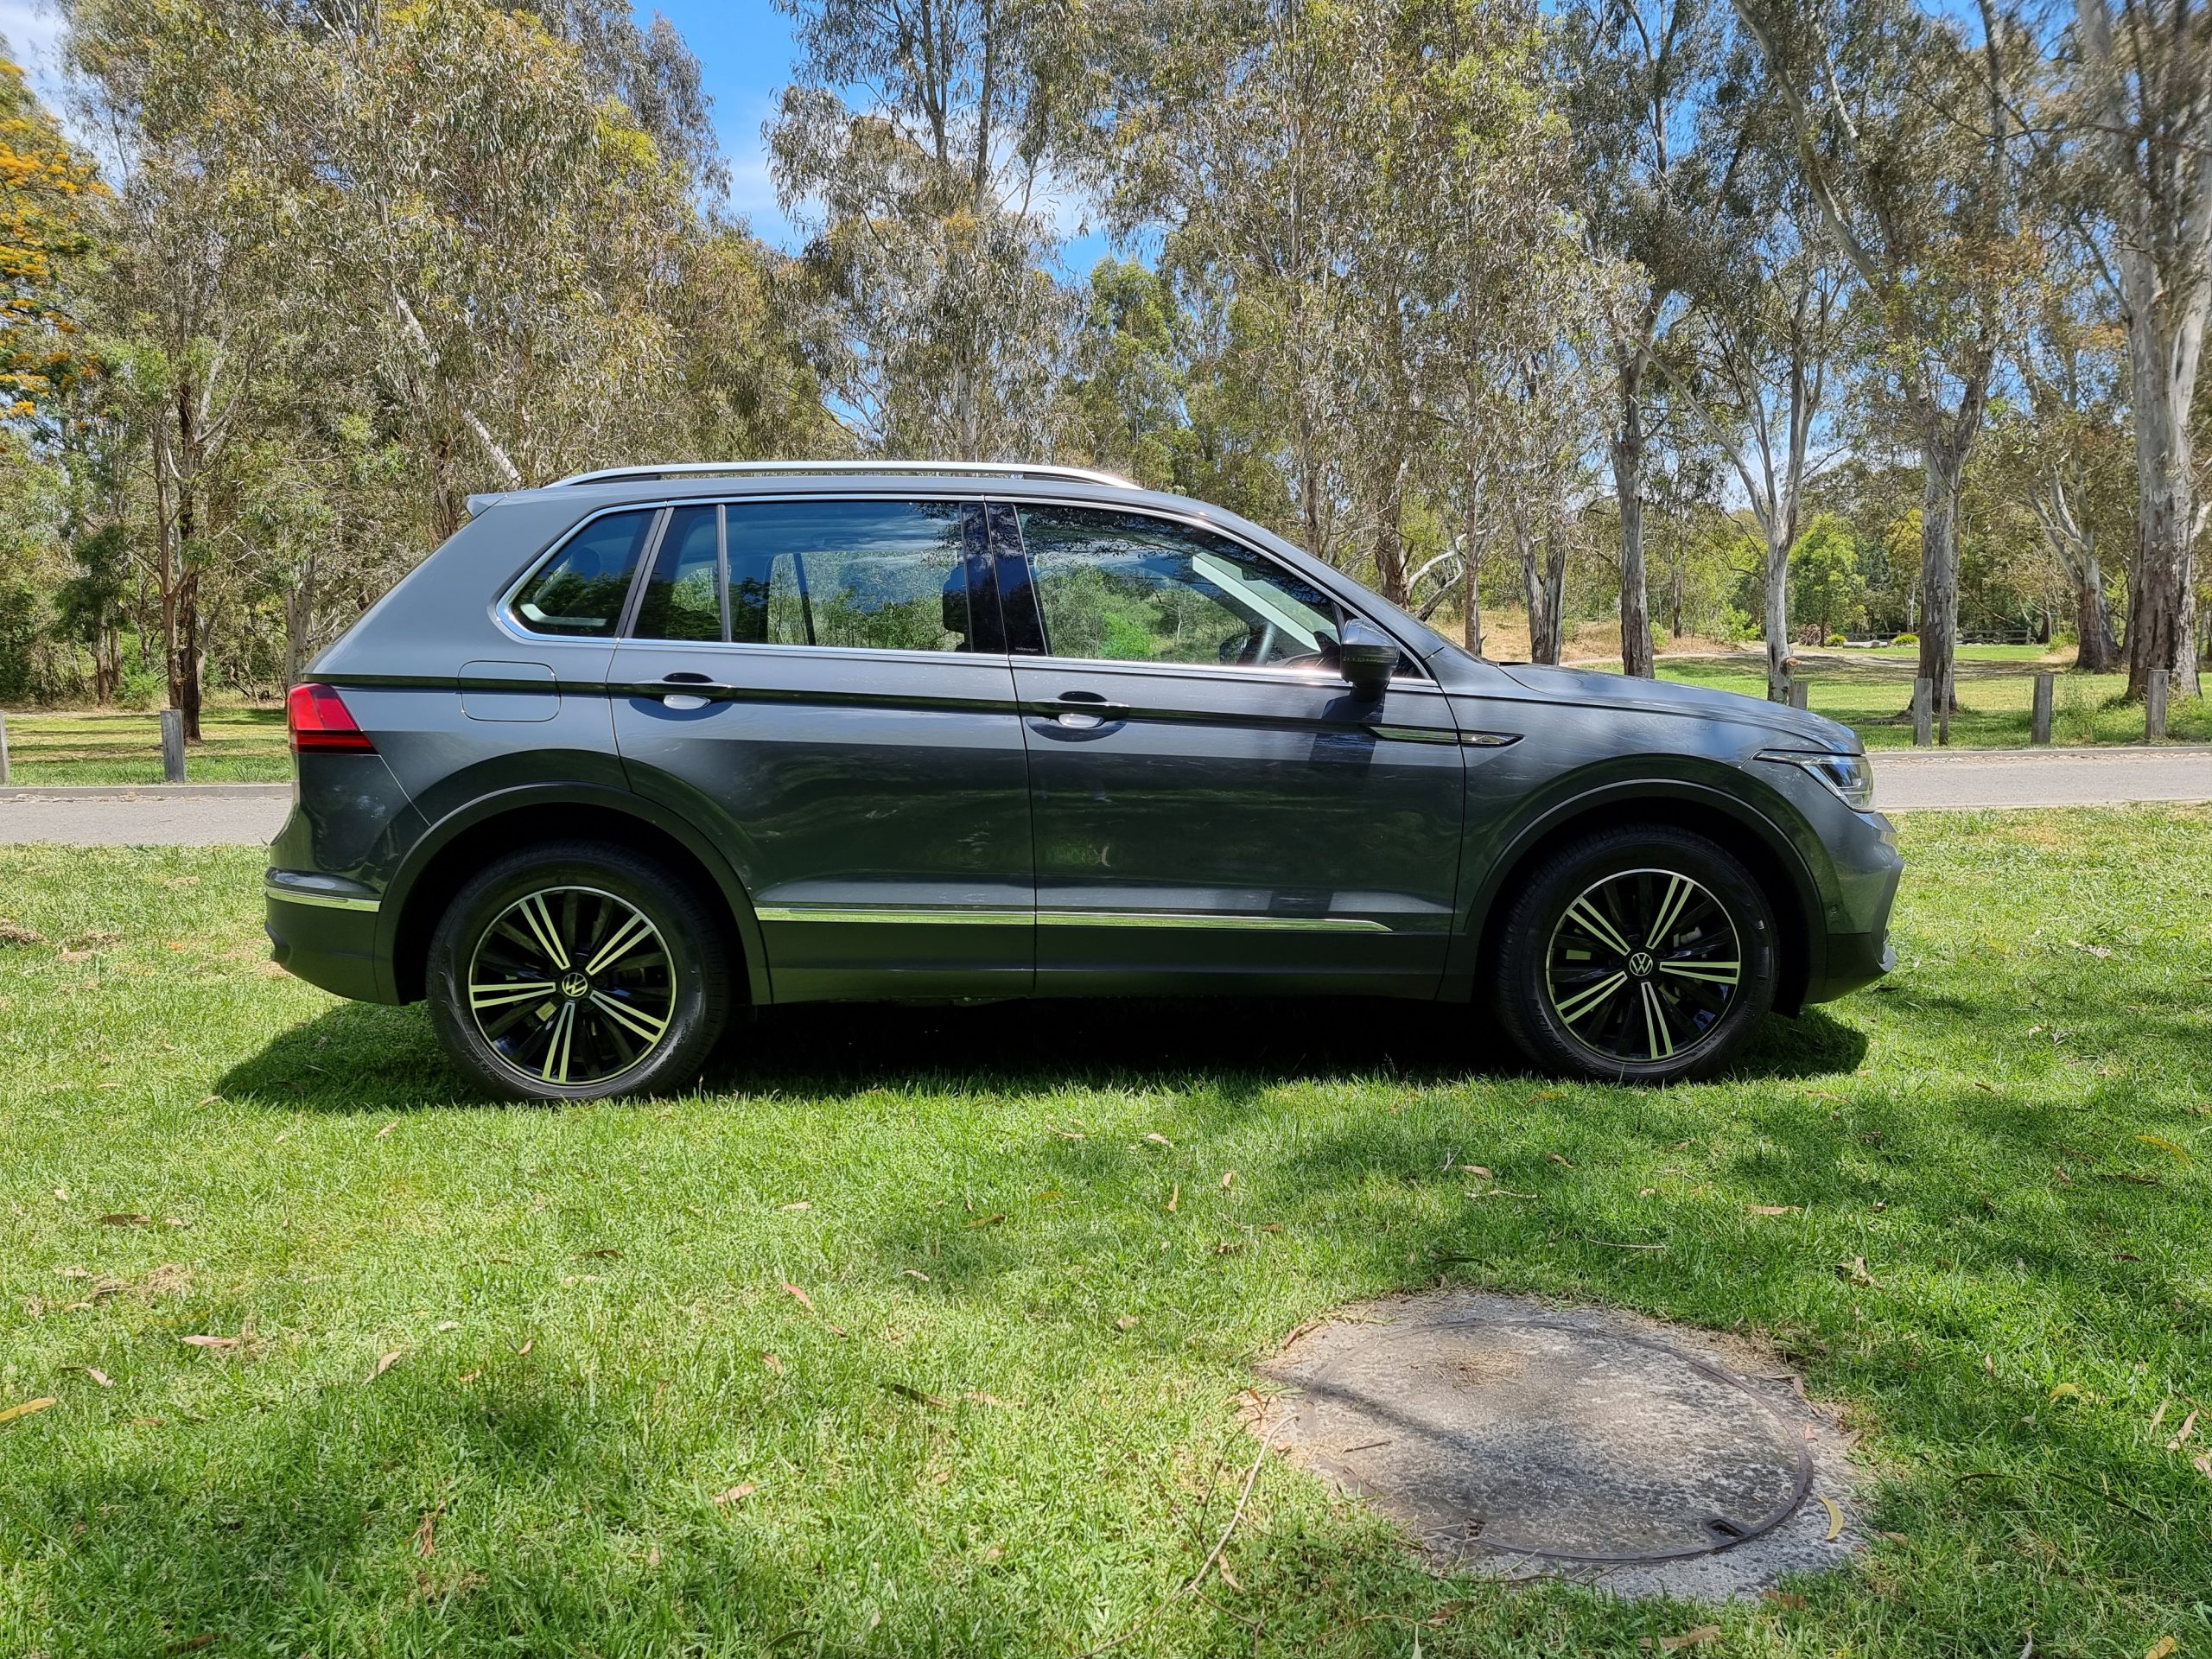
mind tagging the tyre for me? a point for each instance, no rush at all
(576, 970)
(1636, 956)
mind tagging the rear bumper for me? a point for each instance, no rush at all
(324, 931)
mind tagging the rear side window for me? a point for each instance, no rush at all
(886, 575)
(580, 591)
(683, 594)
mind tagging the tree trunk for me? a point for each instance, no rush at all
(2162, 589)
(1471, 597)
(299, 623)
(1939, 576)
(1628, 483)
(1553, 594)
(1390, 536)
(1778, 654)
(2100, 649)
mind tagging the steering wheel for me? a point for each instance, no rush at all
(1249, 647)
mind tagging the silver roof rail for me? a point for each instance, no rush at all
(861, 469)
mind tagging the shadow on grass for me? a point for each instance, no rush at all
(359, 1056)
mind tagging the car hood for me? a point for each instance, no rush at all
(1694, 701)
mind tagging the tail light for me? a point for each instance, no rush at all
(321, 723)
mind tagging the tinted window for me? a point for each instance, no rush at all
(581, 591)
(1129, 588)
(683, 598)
(884, 575)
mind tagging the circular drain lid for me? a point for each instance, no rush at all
(1528, 1437)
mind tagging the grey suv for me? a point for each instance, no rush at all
(638, 749)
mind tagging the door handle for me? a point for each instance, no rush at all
(1085, 711)
(686, 691)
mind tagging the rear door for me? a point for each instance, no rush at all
(824, 682)
(1211, 800)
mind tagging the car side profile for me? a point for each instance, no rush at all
(633, 751)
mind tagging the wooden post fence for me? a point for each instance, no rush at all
(1923, 729)
(2042, 731)
(2154, 705)
(1800, 694)
(172, 745)
(4, 748)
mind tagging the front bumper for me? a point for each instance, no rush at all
(324, 931)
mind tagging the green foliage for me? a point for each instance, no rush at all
(1827, 585)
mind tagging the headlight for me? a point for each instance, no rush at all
(1847, 774)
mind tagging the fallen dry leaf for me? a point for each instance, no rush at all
(448, 1325)
(1127, 1322)
(982, 1398)
(1479, 1169)
(2187, 1426)
(27, 1408)
(387, 1128)
(738, 1493)
(2164, 1145)
(211, 1341)
(800, 1296)
(772, 1364)
(1688, 1639)
(1157, 1138)
(1857, 1271)
(986, 1221)
(1774, 1209)
(803, 1204)
(1229, 1180)
(529, 1343)
(126, 1218)
(1174, 1197)
(426, 1535)
(1559, 1160)
(1786, 1599)
(99, 1377)
(907, 1391)
(1835, 1518)
(2162, 1647)
(469, 1376)
(916, 1273)
(1071, 1134)
(384, 1363)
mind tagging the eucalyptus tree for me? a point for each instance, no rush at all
(1656, 101)
(1905, 134)
(2145, 91)
(919, 141)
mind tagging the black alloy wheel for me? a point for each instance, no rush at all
(1636, 955)
(571, 971)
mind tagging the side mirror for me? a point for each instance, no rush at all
(1367, 658)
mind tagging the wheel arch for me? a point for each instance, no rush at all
(1766, 850)
(461, 843)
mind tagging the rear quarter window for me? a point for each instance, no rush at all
(580, 590)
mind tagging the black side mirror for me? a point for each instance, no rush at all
(1367, 658)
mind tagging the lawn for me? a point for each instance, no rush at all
(246, 744)
(1869, 690)
(924, 1332)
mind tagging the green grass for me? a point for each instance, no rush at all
(245, 743)
(2012, 1135)
(1870, 691)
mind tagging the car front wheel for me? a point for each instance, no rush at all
(1636, 955)
(577, 970)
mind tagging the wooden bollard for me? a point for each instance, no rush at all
(2154, 705)
(172, 745)
(1923, 719)
(1800, 694)
(2041, 731)
(4, 748)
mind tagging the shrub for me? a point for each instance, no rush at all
(1906, 640)
(142, 687)
(1838, 640)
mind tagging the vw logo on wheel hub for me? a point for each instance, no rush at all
(1639, 964)
(575, 984)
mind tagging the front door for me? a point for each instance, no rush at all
(825, 681)
(1209, 799)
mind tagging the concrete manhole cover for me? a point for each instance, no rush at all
(1521, 1438)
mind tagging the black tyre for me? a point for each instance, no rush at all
(574, 970)
(1636, 956)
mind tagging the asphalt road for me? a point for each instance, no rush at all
(209, 815)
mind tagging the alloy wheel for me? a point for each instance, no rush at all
(1644, 966)
(572, 985)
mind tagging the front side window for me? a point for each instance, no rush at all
(579, 591)
(884, 575)
(1126, 586)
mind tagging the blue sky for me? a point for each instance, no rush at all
(745, 53)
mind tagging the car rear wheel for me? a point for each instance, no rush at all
(1636, 956)
(577, 971)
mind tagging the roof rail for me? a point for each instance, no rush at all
(985, 468)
